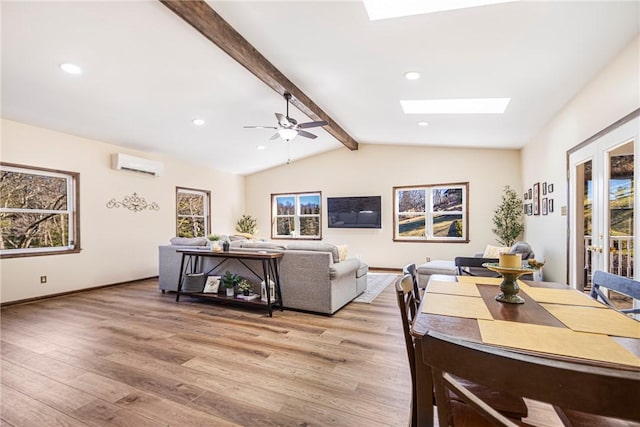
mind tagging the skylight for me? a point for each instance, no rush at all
(384, 9)
(456, 106)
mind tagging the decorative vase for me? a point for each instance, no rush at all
(246, 292)
(230, 292)
(225, 246)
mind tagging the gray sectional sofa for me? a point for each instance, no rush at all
(312, 276)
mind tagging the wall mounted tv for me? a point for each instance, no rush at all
(354, 212)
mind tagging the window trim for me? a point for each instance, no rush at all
(73, 192)
(296, 216)
(429, 214)
(207, 207)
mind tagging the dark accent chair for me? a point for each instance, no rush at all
(619, 284)
(599, 396)
(504, 402)
(472, 266)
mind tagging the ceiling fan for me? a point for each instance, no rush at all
(289, 128)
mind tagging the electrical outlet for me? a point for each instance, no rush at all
(43, 279)
(428, 258)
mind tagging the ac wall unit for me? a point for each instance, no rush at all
(136, 164)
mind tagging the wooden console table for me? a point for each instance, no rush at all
(270, 270)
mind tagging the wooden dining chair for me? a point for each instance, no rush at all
(506, 403)
(411, 270)
(619, 284)
(602, 396)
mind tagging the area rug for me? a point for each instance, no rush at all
(376, 283)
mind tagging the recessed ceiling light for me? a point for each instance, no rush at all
(456, 106)
(412, 75)
(260, 147)
(198, 122)
(70, 68)
(423, 124)
(384, 9)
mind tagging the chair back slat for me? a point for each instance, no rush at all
(622, 285)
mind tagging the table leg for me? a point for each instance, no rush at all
(276, 274)
(180, 278)
(424, 388)
(265, 273)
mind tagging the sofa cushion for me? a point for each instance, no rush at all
(261, 245)
(362, 270)
(189, 241)
(316, 246)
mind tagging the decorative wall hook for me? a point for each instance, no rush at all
(133, 203)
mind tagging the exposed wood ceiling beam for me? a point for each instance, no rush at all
(203, 18)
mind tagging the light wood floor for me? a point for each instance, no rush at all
(131, 356)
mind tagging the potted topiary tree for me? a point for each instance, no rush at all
(508, 218)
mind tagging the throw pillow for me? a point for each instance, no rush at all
(189, 241)
(245, 235)
(343, 251)
(316, 246)
(494, 251)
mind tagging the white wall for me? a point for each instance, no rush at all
(613, 94)
(117, 244)
(375, 170)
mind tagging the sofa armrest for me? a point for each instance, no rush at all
(344, 268)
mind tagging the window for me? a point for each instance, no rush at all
(192, 212)
(431, 213)
(38, 211)
(296, 215)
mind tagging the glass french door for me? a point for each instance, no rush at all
(603, 196)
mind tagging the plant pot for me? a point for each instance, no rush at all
(246, 292)
(230, 292)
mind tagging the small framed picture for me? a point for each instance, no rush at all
(550, 188)
(526, 196)
(528, 209)
(544, 188)
(212, 285)
(544, 206)
(529, 194)
(536, 198)
(550, 205)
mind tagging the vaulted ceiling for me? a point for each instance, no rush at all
(147, 73)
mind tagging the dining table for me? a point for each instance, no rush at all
(555, 322)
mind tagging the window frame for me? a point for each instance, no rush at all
(296, 216)
(430, 214)
(73, 211)
(206, 205)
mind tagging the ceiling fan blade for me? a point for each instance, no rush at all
(306, 134)
(275, 136)
(260, 127)
(282, 119)
(312, 124)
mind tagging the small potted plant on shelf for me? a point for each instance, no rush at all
(229, 281)
(215, 242)
(245, 287)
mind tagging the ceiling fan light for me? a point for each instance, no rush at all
(288, 134)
